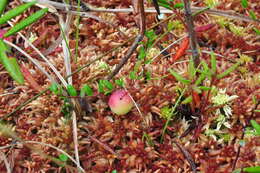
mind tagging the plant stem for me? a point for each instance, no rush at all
(192, 33)
(187, 155)
(128, 55)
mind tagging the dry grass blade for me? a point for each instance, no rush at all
(7, 165)
(7, 131)
(34, 61)
(187, 156)
(54, 69)
(147, 10)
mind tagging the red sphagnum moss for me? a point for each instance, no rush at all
(131, 144)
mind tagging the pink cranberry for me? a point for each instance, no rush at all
(120, 102)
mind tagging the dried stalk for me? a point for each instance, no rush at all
(140, 10)
(128, 55)
(34, 61)
(106, 147)
(187, 156)
(23, 104)
(7, 131)
(7, 164)
(54, 69)
(192, 33)
(46, 145)
(62, 6)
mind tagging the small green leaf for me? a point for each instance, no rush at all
(148, 75)
(164, 4)
(86, 89)
(63, 157)
(187, 100)
(71, 90)
(10, 64)
(132, 75)
(229, 70)
(54, 88)
(108, 85)
(2, 6)
(256, 126)
(244, 3)
(257, 31)
(15, 12)
(120, 82)
(178, 5)
(252, 15)
(213, 62)
(142, 53)
(150, 34)
(151, 37)
(26, 22)
(254, 169)
(101, 86)
(179, 77)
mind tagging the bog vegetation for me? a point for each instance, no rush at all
(130, 86)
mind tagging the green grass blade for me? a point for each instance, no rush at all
(244, 3)
(172, 113)
(101, 86)
(179, 5)
(200, 79)
(179, 77)
(204, 88)
(229, 70)
(192, 70)
(2, 6)
(257, 31)
(213, 63)
(252, 15)
(15, 12)
(205, 66)
(10, 65)
(54, 88)
(254, 169)
(187, 100)
(164, 4)
(26, 22)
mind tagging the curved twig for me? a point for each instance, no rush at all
(187, 156)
